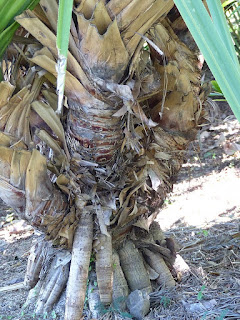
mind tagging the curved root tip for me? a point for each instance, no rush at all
(104, 268)
(120, 286)
(133, 268)
(157, 263)
(35, 262)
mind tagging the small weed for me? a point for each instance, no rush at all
(146, 47)
(45, 315)
(222, 315)
(115, 307)
(92, 259)
(204, 316)
(167, 201)
(231, 165)
(203, 232)
(209, 154)
(200, 293)
(10, 217)
(165, 302)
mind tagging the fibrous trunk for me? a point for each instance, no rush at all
(101, 173)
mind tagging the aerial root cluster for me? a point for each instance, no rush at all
(136, 264)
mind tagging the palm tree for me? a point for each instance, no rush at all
(94, 178)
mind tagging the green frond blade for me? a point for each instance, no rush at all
(221, 25)
(6, 37)
(63, 33)
(10, 9)
(214, 50)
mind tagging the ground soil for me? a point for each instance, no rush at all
(202, 214)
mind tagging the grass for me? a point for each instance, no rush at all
(200, 295)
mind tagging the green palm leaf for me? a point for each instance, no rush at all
(215, 46)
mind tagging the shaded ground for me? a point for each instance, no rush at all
(203, 213)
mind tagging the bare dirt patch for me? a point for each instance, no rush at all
(202, 215)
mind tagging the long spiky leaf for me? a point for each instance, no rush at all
(6, 37)
(206, 35)
(220, 23)
(63, 32)
(10, 9)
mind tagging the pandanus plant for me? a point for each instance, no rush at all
(94, 176)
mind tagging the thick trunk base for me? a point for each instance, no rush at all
(142, 263)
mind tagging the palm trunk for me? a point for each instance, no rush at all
(132, 112)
